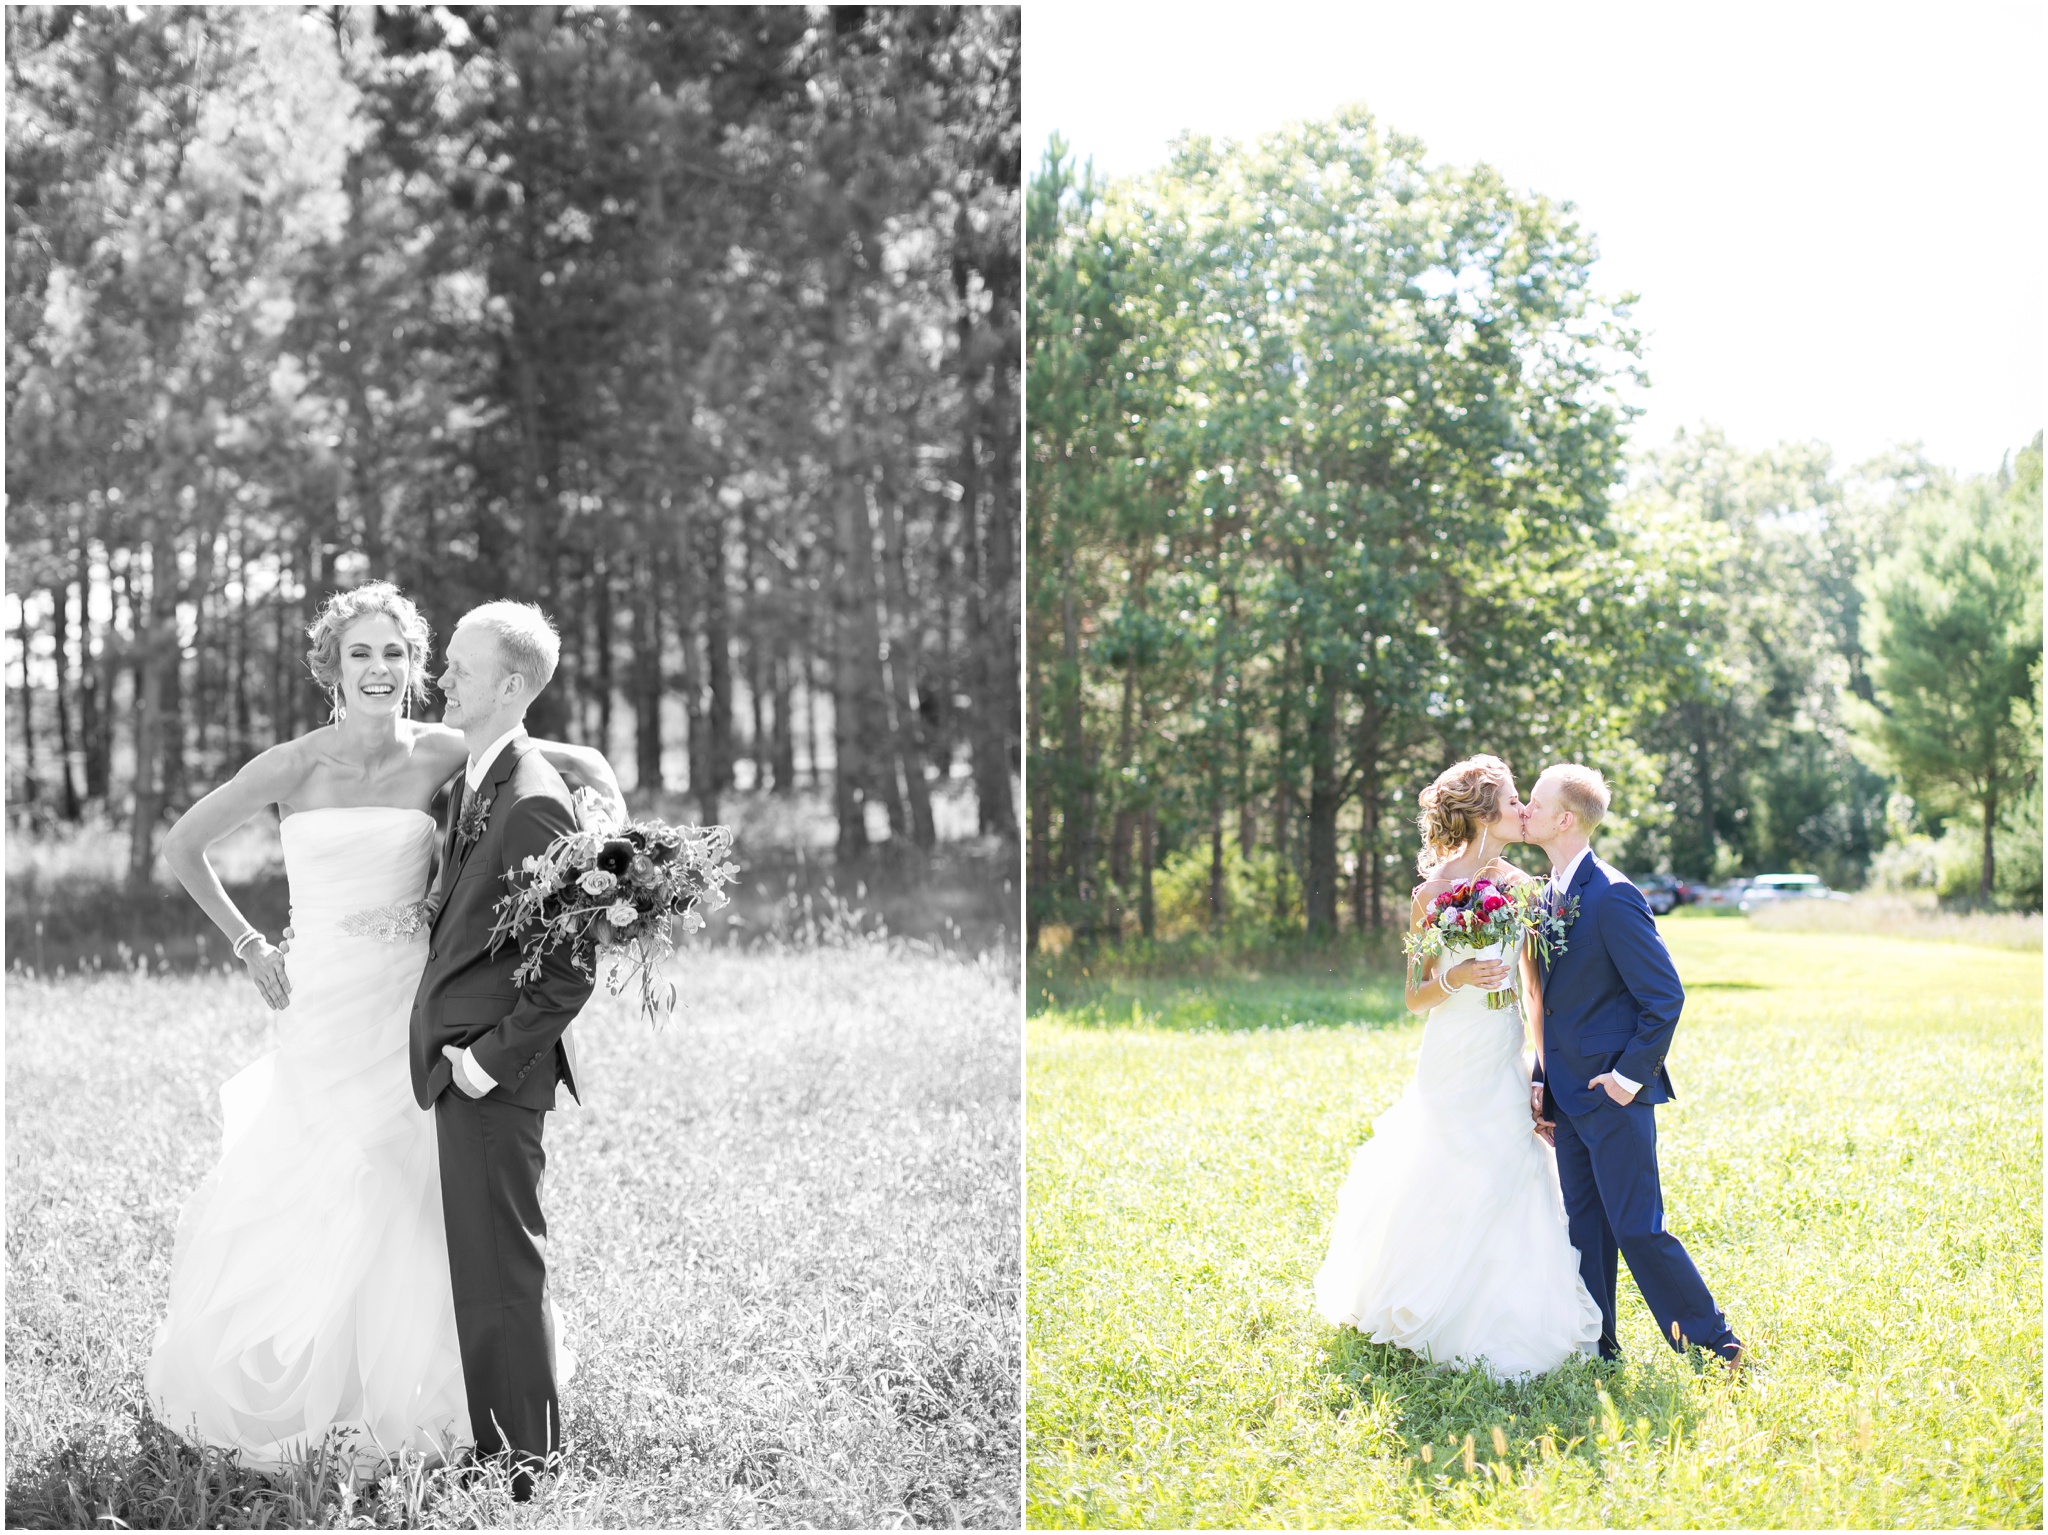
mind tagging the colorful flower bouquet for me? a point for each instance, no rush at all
(613, 894)
(1491, 920)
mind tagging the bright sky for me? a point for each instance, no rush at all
(1833, 212)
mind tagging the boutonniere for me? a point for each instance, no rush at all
(1549, 923)
(476, 815)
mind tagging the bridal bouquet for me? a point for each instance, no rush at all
(1477, 915)
(613, 894)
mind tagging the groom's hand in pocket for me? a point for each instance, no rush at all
(463, 1084)
(1613, 1089)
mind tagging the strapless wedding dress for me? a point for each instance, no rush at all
(1450, 1237)
(309, 1288)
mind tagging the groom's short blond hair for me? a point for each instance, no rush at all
(527, 642)
(1583, 791)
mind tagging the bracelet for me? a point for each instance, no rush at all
(1444, 980)
(243, 942)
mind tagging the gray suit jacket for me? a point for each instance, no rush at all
(466, 997)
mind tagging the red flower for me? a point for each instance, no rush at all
(1492, 904)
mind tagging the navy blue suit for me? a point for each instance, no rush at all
(1611, 1003)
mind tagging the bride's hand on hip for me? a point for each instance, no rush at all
(1485, 974)
(266, 968)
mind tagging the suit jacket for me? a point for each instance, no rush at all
(466, 996)
(1611, 1001)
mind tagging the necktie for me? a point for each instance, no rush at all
(449, 843)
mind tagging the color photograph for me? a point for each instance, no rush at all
(1533, 830)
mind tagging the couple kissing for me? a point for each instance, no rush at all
(1460, 1236)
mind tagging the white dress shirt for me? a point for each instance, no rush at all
(473, 1078)
(1561, 879)
(481, 763)
(1560, 884)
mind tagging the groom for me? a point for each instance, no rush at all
(1610, 1005)
(486, 1054)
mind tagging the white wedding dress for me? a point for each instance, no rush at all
(309, 1288)
(1450, 1237)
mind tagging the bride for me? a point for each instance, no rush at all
(309, 1287)
(1450, 1237)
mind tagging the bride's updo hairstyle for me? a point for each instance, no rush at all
(1465, 797)
(342, 609)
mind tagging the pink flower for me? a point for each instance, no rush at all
(1492, 904)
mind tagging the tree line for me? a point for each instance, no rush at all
(699, 326)
(1330, 484)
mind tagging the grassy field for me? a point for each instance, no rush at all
(787, 1250)
(1899, 917)
(1854, 1161)
(68, 908)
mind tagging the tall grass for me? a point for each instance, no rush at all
(784, 1233)
(1901, 917)
(69, 907)
(1854, 1161)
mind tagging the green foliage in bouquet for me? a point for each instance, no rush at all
(613, 895)
(1477, 914)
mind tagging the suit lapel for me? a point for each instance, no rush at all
(1582, 880)
(487, 791)
(457, 796)
(503, 764)
(1580, 887)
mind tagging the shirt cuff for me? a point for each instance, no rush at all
(479, 1081)
(1622, 1082)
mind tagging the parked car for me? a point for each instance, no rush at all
(1662, 891)
(1726, 897)
(1767, 888)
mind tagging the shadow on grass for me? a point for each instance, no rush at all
(152, 1478)
(1235, 1003)
(1581, 1410)
(156, 1480)
(1197, 986)
(1730, 986)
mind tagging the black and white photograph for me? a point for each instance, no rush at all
(513, 767)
